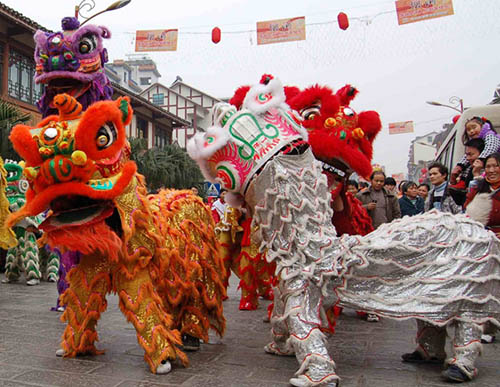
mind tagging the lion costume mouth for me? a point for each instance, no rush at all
(70, 86)
(75, 210)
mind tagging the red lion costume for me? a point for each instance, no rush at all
(343, 141)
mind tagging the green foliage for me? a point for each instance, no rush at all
(10, 116)
(168, 167)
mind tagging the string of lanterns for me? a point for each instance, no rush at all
(342, 19)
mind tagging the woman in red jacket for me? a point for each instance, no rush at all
(483, 205)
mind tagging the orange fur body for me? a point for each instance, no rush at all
(157, 252)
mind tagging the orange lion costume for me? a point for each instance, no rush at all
(158, 252)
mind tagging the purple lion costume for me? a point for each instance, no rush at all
(72, 61)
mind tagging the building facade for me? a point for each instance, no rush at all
(130, 78)
(135, 74)
(17, 66)
(422, 150)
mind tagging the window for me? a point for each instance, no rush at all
(146, 81)
(161, 138)
(125, 76)
(429, 139)
(21, 83)
(142, 128)
(158, 99)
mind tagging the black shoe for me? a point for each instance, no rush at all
(454, 374)
(416, 357)
(190, 343)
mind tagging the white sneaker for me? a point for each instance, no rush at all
(33, 282)
(213, 338)
(164, 368)
(60, 352)
(372, 318)
(487, 339)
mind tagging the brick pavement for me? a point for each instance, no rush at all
(367, 354)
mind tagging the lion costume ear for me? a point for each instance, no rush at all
(123, 104)
(25, 145)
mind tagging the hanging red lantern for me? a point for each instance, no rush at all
(421, 180)
(216, 35)
(424, 171)
(343, 21)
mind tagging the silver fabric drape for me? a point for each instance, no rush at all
(434, 267)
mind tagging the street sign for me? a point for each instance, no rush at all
(212, 189)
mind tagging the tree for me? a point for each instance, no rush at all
(168, 167)
(10, 116)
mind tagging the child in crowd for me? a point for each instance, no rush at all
(475, 128)
(390, 184)
(352, 186)
(473, 150)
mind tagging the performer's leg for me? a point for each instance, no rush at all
(265, 273)
(430, 344)
(279, 327)
(143, 307)
(29, 253)
(85, 300)
(11, 265)
(248, 281)
(297, 327)
(67, 261)
(466, 349)
(53, 263)
(309, 343)
(489, 333)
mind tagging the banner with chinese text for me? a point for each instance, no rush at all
(401, 127)
(282, 30)
(156, 40)
(411, 11)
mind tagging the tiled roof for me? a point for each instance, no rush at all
(19, 17)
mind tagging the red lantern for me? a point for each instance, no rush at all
(343, 21)
(423, 170)
(456, 118)
(421, 180)
(216, 35)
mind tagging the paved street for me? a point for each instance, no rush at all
(367, 354)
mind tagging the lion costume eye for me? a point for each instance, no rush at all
(310, 112)
(348, 112)
(106, 135)
(87, 44)
(23, 186)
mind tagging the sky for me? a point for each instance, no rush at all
(395, 68)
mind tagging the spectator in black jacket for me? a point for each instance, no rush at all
(410, 203)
